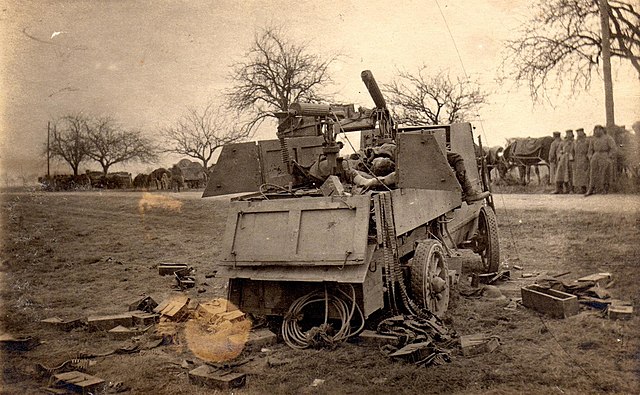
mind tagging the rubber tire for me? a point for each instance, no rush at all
(422, 261)
(488, 221)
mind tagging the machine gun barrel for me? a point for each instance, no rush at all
(374, 90)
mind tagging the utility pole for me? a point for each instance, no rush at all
(606, 62)
(48, 148)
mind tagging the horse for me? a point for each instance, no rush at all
(160, 178)
(493, 157)
(525, 153)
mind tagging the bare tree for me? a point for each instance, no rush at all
(108, 143)
(422, 98)
(69, 140)
(277, 72)
(199, 132)
(562, 43)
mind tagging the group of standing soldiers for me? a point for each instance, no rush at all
(582, 165)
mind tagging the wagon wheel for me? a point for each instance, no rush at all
(488, 245)
(429, 277)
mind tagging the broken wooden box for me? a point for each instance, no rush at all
(554, 303)
(175, 309)
(207, 376)
(620, 311)
(78, 382)
(146, 304)
(106, 322)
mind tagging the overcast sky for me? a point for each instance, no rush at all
(145, 61)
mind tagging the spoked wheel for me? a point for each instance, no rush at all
(488, 245)
(429, 277)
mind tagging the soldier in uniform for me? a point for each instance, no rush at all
(564, 172)
(602, 151)
(581, 162)
(553, 156)
(381, 162)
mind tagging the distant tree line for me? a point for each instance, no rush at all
(79, 138)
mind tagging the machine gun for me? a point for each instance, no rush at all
(305, 119)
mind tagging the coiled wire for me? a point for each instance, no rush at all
(344, 304)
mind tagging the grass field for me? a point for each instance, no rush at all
(72, 255)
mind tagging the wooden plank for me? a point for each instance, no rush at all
(79, 382)
(174, 308)
(477, 344)
(596, 277)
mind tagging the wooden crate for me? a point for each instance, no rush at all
(557, 304)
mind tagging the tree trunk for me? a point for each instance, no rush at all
(606, 63)
(205, 163)
(75, 169)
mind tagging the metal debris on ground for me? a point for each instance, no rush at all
(78, 364)
(422, 341)
(594, 303)
(131, 348)
(489, 278)
(478, 344)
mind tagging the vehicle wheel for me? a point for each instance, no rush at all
(489, 247)
(430, 277)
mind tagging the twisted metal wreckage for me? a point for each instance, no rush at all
(327, 240)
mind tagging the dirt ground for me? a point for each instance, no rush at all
(72, 255)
